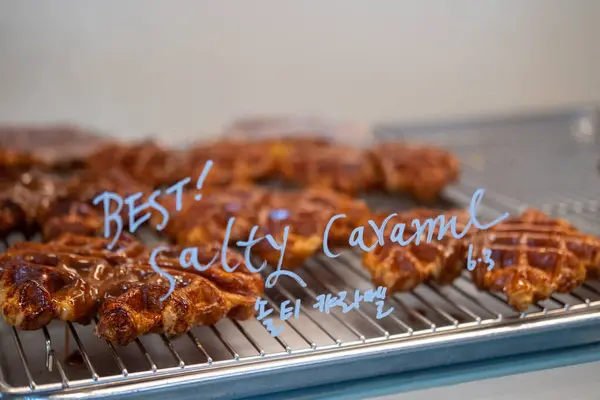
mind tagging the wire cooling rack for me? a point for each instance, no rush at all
(542, 164)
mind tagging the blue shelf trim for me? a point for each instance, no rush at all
(443, 376)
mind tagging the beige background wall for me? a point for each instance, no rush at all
(183, 67)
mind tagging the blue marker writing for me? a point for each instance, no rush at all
(380, 294)
(252, 240)
(326, 250)
(380, 313)
(287, 311)
(200, 182)
(189, 258)
(247, 245)
(397, 235)
(475, 202)
(178, 190)
(487, 259)
(327, 302)
(135, 210)
(113, 204)
(358, 298)
(263, 312)
(427, 226)
(379, 230)
(274, 276)
(162, 272)
(109, 216)
(224, 263)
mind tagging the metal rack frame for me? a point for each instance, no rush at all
(431, 326)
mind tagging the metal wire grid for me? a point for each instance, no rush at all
(43, 361)
(567, 188)
(65, 357)
(549, 162)
(514, 180)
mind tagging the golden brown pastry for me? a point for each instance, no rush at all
(33, 294)
(66, 279)
(234, 162)
(305, 212)
(280, 136)
(16, 162)
(205, 220)
(64, 215)
(139, 309)
(70, 277)
(99, 273)
(87, 185)
(21, 199)
(40, 282)
(341, 168)
(56, 146)
(241, 281)
(334, 203)
(282, 148)
(199, 297)
(402, 268)
(125, 248)
(420, 170)
(41, 201)
(146, 162)
(305, 220)
(533, 256)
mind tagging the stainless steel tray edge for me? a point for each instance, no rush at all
(394, 355)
